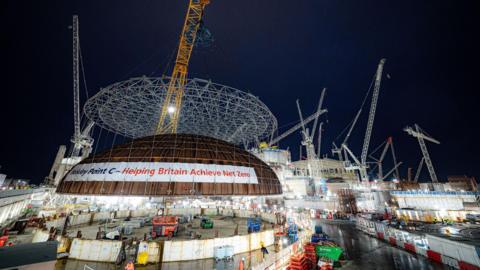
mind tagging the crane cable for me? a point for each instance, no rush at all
(361, 108)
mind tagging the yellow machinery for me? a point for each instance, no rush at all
(171, 107)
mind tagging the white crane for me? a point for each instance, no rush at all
(419, 169)
(387, 144)
(307, 137)
(82, 141)
(361, 164)
(421, 136)
(298, 126)
(319, 144)
(371, 115)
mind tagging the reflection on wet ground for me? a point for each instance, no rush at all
(365, 252)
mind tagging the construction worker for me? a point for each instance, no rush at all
(130, 266)
(240, 265)
(263, 249)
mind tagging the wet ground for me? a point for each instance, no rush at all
(365, 252)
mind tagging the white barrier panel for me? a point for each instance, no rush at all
(420, 251)
(203, 249)
(450, 262)
(122, 214)
(144, 213)
(210, 211)
(80, 219)
(226, 212)
(269, 217)
(276, 260)
(56, 223)
(101, 216)
(40, 236)
(243, 213)
(459, 251)
(95, 250)
(152, 249)
(138, 213)
(183, 211)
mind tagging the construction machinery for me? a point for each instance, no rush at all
(206, 223)
(303, 122)
(81, 140)
(421, 136)
(254, 225)
(172, 104)
(164, 226)
(308, 136)
(344, 151)
(387, 145)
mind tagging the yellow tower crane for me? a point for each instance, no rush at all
(171, 107)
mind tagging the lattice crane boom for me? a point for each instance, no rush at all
(171, 107)
(421, 137)
(296, 127)
(76, 81)
(371, 116)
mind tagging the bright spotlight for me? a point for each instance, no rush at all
(171, 109)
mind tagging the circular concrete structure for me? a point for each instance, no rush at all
(172, 165)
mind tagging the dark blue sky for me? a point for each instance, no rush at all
(278, 50)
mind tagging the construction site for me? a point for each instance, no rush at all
(178, 172)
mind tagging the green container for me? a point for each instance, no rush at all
(332, 253)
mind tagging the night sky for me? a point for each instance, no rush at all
(278, 50)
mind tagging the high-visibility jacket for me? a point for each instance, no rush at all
(240, 266)
(129, 266)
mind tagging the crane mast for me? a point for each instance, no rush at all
(421, 137)
(371, 116)
(169, 116)
(76, 81)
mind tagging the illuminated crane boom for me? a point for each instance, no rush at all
(171, 107)
(421, 137)
(371, 116)
(76, 82)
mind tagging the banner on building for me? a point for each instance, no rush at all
(162, 172)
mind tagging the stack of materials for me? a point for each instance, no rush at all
(310, 253)
(300, 262)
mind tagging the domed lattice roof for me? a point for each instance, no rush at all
(172, 165)
(132, 108)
